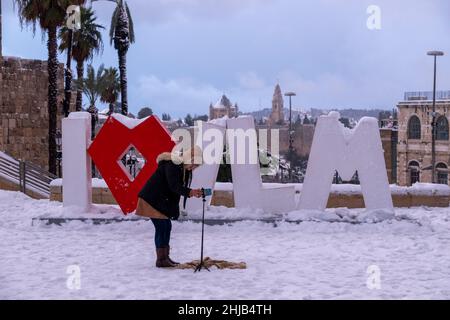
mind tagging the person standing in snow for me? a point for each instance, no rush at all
(160, 197)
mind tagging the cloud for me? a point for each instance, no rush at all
(189, 52)
(160, 11)
(178, 96)
(250, 80)
(187, 95)
(334, 90)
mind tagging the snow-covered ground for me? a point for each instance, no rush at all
(315, 259)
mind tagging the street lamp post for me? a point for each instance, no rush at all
(94, 120)
(435, 54)
(291, 146)
(58, 139)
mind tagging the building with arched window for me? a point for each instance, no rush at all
(442, 128)
(414, 156)
(441, 173)
(414, 172)
(414, 128)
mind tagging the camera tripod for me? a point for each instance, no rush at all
(202, 265)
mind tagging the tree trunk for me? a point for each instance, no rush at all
(68, 78)
(121, 44)
(80, 75)
(52, 97)
(123, 80)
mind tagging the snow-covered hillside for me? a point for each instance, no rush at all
(312, 260)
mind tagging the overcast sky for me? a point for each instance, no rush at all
(189, 52)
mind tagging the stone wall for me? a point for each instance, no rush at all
(23, 108)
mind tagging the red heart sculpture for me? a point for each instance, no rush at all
(149, 137)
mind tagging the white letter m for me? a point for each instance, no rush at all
(337, 148)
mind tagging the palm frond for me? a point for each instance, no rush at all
(114, 20)
(131, 24)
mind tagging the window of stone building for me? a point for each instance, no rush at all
(442, 128)
(414, 128)
(442, 173)
(414, 172)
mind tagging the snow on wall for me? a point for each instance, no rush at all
(96, 183)
(418, 189)
(423, 189)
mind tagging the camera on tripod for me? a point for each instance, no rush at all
(206, 192)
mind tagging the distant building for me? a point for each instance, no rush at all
(415, 138)
(223, 108)
(277, 115)
(389, 141)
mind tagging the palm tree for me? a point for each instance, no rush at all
(92, 88)
(92, 84)
(50, 15)
(110, 88)
(86, 42)
(122, 35)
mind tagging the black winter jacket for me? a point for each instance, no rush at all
(165, 187)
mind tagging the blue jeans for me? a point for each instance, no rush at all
(163, 227)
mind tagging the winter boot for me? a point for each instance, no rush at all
(168, 256)
(161, 259)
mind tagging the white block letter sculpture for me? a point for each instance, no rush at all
(77, 168)
(248, 189)
(210, 138)
(337, 148)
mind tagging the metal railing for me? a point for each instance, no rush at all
(427, 95)
(28, 176)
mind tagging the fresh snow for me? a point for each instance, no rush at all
(314, 259)
(96, 183)
(16, 180)
(130, 123)
(7, 157)
(5, 176)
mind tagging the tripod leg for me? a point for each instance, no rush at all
(201, 264)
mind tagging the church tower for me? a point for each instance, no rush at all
(277, 115)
